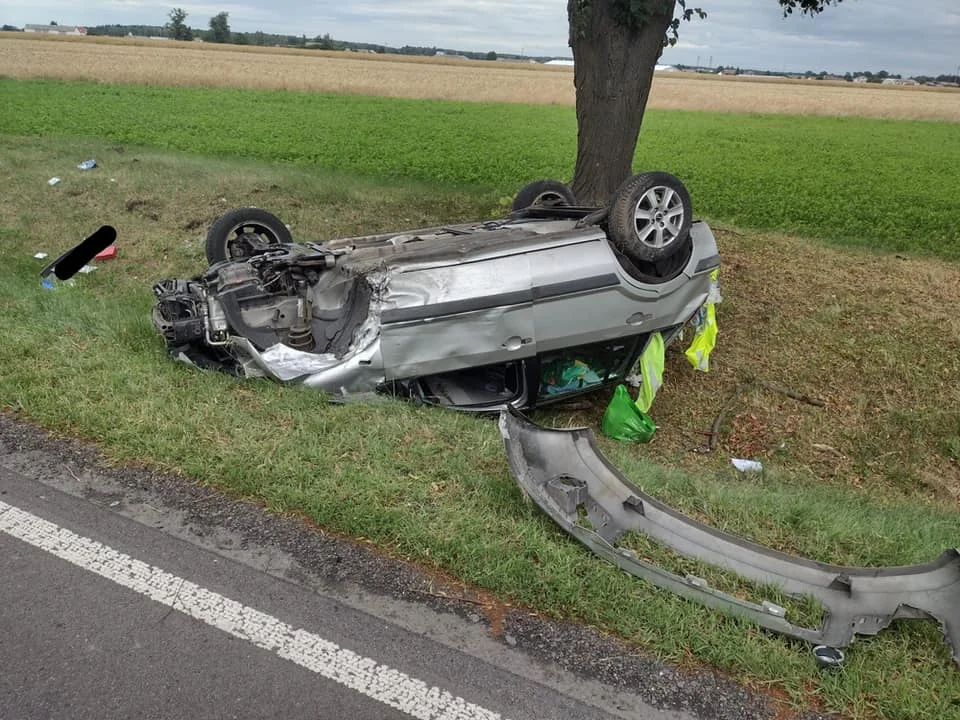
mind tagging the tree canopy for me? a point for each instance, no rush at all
(616, 45)
(177, 27)
(219, 28)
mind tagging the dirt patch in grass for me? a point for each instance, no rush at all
(117, 60)
(146, 208)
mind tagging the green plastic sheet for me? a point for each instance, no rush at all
(624, 421)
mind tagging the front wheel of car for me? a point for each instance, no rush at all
(650, 217)
(243, 233)
(543, 193)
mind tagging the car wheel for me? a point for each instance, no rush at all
(550, 193)
(243, 233)
(650, 217)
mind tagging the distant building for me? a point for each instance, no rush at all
(56, 29)
(860, 79)
(560, 61)
(899, 81)
(664, 68)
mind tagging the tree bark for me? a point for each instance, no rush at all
(614, 60)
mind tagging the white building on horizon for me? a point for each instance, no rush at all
(56, 29)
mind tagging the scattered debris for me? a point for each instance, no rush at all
(87, 165)
(53, 181)
(40, 255)
(747, 466)
(75, 259)
(51, 283)
(108, 253)
(87, 269)
(569, 376)
(828, 658)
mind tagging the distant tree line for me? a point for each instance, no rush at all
(953, 79)
(124, 30)
(871, 77)
(219, 31)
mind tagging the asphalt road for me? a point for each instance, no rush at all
(190, 631)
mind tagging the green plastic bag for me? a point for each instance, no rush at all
(624, 421)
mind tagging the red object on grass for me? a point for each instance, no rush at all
(107, 253)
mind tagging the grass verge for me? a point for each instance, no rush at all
(433, 486)
(888, 185)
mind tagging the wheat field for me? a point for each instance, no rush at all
(169, 63)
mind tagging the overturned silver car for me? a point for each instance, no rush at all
(553, 301)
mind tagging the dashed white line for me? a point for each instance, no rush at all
(380, 682)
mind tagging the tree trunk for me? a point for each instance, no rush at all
(614, 62)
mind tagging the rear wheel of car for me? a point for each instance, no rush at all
(650, 217)
(243, 233)
(548, 193)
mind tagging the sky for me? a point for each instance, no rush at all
(918, 38)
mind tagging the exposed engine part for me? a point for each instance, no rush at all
(301, 331)
(178, 314)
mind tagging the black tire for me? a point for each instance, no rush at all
(548, 193)
(650, 217)
(243, 233)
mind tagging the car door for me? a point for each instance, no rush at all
(457, 316)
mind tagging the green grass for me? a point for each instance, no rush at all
(422, 483)
(889, 185)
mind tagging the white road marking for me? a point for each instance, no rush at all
(380, 682)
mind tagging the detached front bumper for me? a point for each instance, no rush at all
(563, 471)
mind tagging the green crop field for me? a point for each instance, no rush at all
(889, 185)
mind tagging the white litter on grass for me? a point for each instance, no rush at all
(747, 466)
(87, 269)
(40, 255)
(53, 181)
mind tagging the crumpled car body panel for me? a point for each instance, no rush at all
(473, 316)
(563, 471)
